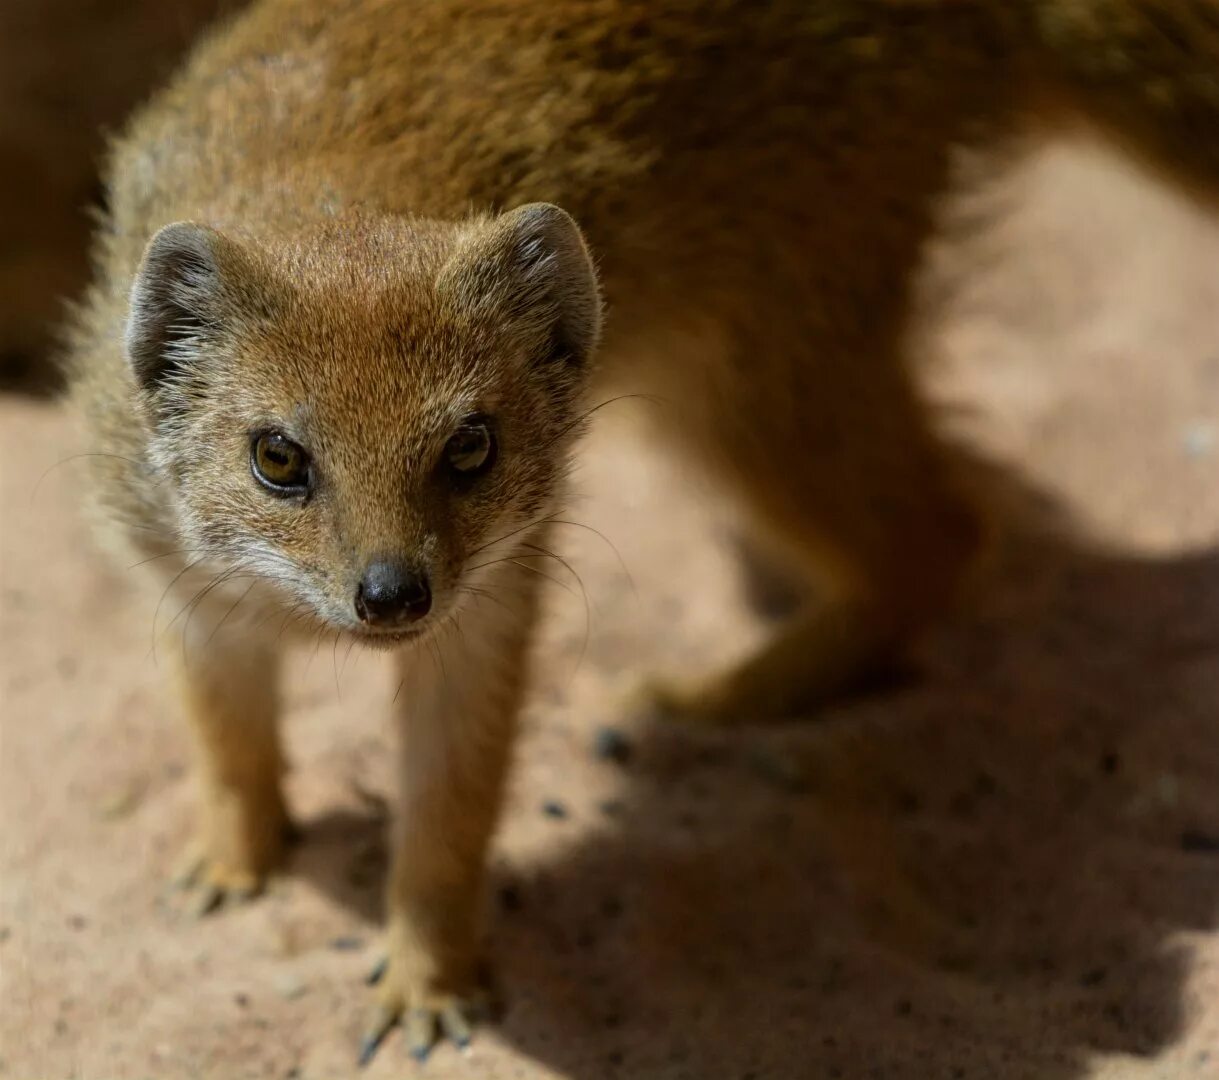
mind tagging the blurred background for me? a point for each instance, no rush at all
(70, 70)
(1005, 866)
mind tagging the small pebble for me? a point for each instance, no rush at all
(611, 807)
(121, 803)
(552, 808)
(778, 768)
(609, 744)
(1199, 842)
(288, 986)
(1199, 440)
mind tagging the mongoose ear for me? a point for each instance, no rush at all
(174, 300)
(532, 265)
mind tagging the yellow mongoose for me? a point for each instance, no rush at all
(341, 341)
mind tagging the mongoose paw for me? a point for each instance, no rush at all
(212, 883)
(426, 1015)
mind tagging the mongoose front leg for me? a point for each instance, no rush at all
(460, 696)
(227, 687)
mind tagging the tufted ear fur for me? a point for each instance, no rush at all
(531, 265)
(176, 301)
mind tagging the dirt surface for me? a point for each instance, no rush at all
(1006, 865)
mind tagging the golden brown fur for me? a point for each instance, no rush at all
(756, 183)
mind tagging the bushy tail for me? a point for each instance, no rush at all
(1148, 70)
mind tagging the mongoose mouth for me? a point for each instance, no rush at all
(386, 639)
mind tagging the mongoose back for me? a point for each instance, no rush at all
(342, 339)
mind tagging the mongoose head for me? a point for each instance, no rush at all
(367, 413)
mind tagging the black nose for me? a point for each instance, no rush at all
(391, 593)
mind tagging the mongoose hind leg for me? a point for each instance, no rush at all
(852, 488)
(227, 687)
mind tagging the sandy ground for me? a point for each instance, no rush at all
(1005, 866)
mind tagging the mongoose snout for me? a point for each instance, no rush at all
(392, 593)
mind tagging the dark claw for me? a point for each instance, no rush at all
(368, 1049)
(187, 873)
(234, 897)
(208, 899)
(383, 1020)
(377, 972)
(455, 1027)
(420, 1033)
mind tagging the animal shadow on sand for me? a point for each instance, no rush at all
(991, 870)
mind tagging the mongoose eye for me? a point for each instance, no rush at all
(470, 451)
(279, 464)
